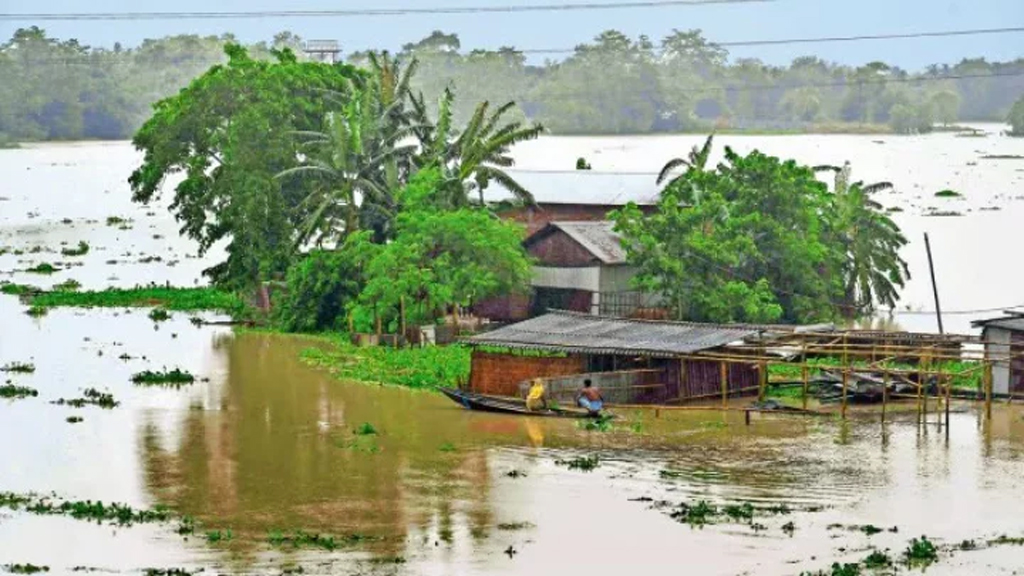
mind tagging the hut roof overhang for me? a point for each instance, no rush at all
(577, 333)
(1013, 321)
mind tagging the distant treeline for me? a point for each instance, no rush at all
(53, 89)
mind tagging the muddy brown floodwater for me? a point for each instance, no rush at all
(266, 443)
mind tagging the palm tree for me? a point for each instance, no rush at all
(469, 160)
(349, 159)
(873, 271)
(697, 159)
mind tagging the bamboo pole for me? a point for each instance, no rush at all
(803, 375)
(924, 386)
(846, 383)
(987, 381)
(885, 394)
(949, 398)
(724, 376)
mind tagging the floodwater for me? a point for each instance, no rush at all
(267, 443)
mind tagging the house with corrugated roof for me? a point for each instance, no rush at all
(633, 361)
(1004, 344)
(579, 266)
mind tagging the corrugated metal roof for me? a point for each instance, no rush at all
(581, 333)
(598, 238)
(1014, 323)
(580, 187)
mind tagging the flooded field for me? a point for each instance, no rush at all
(262, 451)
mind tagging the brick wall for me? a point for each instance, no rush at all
(500, 374)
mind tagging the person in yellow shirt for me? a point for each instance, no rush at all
(537, 397)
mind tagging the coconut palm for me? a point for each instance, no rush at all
(474, 157)
(697, 159)
(873, 271)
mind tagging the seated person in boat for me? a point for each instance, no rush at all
(537, 397)
(590, 397)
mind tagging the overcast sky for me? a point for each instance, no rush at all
(779, 19)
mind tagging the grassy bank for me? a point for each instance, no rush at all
(430, 368)
(182, 299)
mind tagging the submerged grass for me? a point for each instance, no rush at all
(173, 378)
(430, 367)
(13, 392)
(25, 568)
(582, 463)
(18, 367)
(91, 396)
(164, 297)
(95, 511)
(81, 250)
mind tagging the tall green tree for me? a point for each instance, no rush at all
(754, 246)
(441, 257)
(226, 136)
(873, 271)
(1016, 118)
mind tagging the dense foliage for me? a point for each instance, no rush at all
(229, 132)
(1016, 118)
(758, 239)
(54, 89)
(441, 256)
(319, 289)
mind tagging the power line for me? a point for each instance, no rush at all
(369, 11)
(826, 39)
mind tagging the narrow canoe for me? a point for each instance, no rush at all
(503, 405)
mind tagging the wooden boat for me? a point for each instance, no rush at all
(508, 405)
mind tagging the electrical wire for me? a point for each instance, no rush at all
(826, 39)
(78, 16)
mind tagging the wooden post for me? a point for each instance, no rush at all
(725, 383)
(683, 380)
(935, 287)
(885, 393)
(803, 375)
(747, 417)
(846, 383)
(987, 382)
(924, 388)
(763, 384)
(949, 398)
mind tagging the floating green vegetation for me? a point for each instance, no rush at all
(81, 250)
(13, 289)
(173, 378)
(876, 560)
(37, 311)
(43, 268)
(921, 551)
(303, 539)
(116, 221)
(25, 568)
(114, 513)
(739, 512)
(159, 315)
(514, 526)
(11, 391)
(429, 367)
(698, 514)
(91, 396)
(69, 285)
(75, 419)
(18, 367)
(1004, 540)
(602, 423)
(948, 194)
(365, 429)
(164, 297)
(967, 545)
(582, 463)
(186, 525)
(1002, 157)
(215, 536)
(515, 474)
(447, 447)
